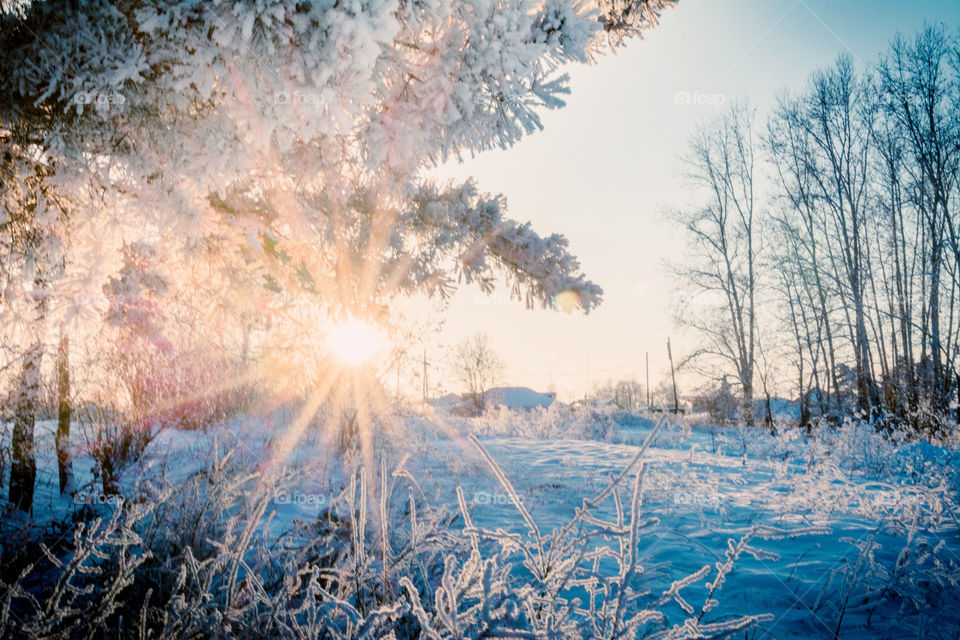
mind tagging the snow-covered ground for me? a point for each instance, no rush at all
(890, 517)
(876, 556)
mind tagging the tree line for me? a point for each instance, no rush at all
(824, 245)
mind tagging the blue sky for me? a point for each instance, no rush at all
(604, 170)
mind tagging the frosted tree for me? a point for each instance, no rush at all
(299, 123)
(294, 137)
(31, 255)
(478, 367)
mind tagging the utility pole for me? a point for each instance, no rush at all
(647, 354)
(673, 375)
(425, 375)
(586, 388)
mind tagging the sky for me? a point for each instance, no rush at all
(605, 170)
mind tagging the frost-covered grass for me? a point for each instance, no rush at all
(669, 530)
(556, 421)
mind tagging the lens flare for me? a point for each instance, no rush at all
(566, 301)
(355, 342)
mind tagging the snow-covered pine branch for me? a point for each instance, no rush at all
(151, 112)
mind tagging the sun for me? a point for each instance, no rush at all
(355, 342)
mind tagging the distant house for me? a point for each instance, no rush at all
(514, 398)
(519, 398)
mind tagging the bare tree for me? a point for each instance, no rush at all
(800, 246)
(835, 114)
(864, 269)
(478, 367)
(799, 316)
(625, 394)
(722, 266)
(822, 145)
(899, 267)
(867, 167)
(922, 102)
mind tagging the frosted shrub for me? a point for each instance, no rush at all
(112, 442)
(673, 433)
(589, 424)
(758, 442)
(918, 585)
(81, 591)
(194, 391)
(201, 557)
(554, 422)
(855, 445)
(613, 604)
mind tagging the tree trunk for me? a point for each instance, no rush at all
(673, 375)
(958, 398)
(768, 419)
(64, 412)
(865, 399)
(23, 470)
(935, 345)
(747, 406)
